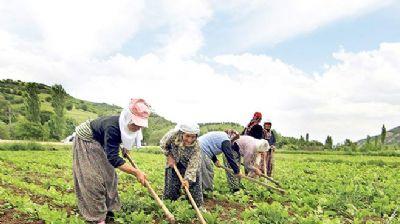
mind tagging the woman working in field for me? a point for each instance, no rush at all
(252, 150)
(95, 157)
(213, 144)
(182, 149)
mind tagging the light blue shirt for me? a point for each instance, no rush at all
(211, 143)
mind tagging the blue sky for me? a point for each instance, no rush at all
(311, 51)
(308, 51)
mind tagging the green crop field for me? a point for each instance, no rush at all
(37, 187)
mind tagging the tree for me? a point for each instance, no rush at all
(70, 125)
(58, 98)
(69, 106)
(348, 142)
(83, 107)
(45, 116)
(4, 131)
(56, 127)
(301, 141)
(28, 130)
(146, 135)
(32, 102)
(368, 139)
(6, 113)
(307, 137)
(328, 142)
(383, 134)
(57, 121)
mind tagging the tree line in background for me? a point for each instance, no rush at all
(376, 143)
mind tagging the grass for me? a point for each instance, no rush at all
(80, 115)
(22, 145)
(77, 114)
(321, 188)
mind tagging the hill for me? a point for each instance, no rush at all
(392, 137)
(13, 110)
(79, 110)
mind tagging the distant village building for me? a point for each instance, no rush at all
(69, 138)
(138, 139)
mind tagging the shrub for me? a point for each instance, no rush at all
(22, 146)
(83, 107)
(9, 97)
(32, 146)
(56, 127)
(4, 131)
(17, 101)
(69, 106)
(45, 116)
(29, 130)
(70, 125)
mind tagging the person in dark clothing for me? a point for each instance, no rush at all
(106, 131)
(269, 135)
(254, 128)
(95, 157)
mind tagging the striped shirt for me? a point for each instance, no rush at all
(84, 131)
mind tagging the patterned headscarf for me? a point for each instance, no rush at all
(178, 140)
(255, 120)
(232, 134)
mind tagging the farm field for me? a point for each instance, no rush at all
(37, 187)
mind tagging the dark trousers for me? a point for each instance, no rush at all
(172, 185)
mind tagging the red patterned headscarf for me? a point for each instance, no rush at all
(257, 117)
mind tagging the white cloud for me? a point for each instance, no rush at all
(256, 23)
(74, 28)
(349, 100)
(185, 20)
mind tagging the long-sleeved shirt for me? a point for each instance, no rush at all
(248, 150)
(188, 156)
(106, 131)
(256, 131)
(269, 135)
(217, 142)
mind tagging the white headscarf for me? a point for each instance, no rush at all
(262, 145)
(189, 128)
(127, 136)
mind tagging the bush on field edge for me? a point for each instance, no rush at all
(30, 146)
